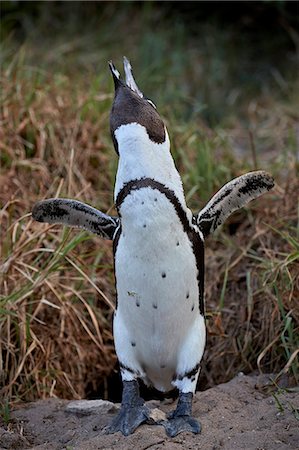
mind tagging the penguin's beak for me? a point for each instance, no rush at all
(116, 76)
(130, 106)
(130, 81)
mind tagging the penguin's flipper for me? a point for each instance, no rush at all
(232, 196)
(75, 214)
(130, 81)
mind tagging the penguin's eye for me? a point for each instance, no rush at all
(151, 103)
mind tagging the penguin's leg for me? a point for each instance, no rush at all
(187, 374)
(133, 411)
(181, 418)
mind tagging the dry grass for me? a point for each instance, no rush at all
(253, 290)
(57, 286)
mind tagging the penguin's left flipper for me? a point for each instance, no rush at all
(75, 214)
(232, 196)
(181, 420)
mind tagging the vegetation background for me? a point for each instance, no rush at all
(224, 77)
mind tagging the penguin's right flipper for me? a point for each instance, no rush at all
(130, 81)
(232, 196)
(75, 214)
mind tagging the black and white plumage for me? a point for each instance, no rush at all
(232, 196)
(75, 214)
(159, 326)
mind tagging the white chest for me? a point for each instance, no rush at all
(156, 279)
(140, 157)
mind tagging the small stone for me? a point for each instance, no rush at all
(86, 407)
(156, 415)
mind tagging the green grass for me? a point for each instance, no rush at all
(5, 412)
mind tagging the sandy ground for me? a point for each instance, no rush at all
(235, 415)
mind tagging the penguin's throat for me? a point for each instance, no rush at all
(141, 158)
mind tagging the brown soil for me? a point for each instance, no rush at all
(240, 414)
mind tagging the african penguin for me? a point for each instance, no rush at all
(159, 326)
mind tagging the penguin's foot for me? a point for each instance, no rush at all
(181, 420)
(176, 425)
(132, 413)
(128, 419)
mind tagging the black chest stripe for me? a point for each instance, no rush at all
(194, 237)
(115, 243)
(191, 373)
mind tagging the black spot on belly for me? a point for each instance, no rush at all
(192, 309)
(142, 203)
(156, 199)
(137, 303)
(133, 344)
(144, 225)
(177, 243)
(193, 235)
(188, 295)
(162, 366)
(155, 306)
(163, 275)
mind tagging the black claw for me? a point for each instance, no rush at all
(177, 425)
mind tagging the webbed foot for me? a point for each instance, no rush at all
(133, 412)
(128, 419)
(176, 425)
(181, 420)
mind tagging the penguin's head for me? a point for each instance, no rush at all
(131, 107)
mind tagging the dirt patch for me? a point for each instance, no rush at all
(240, 414)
